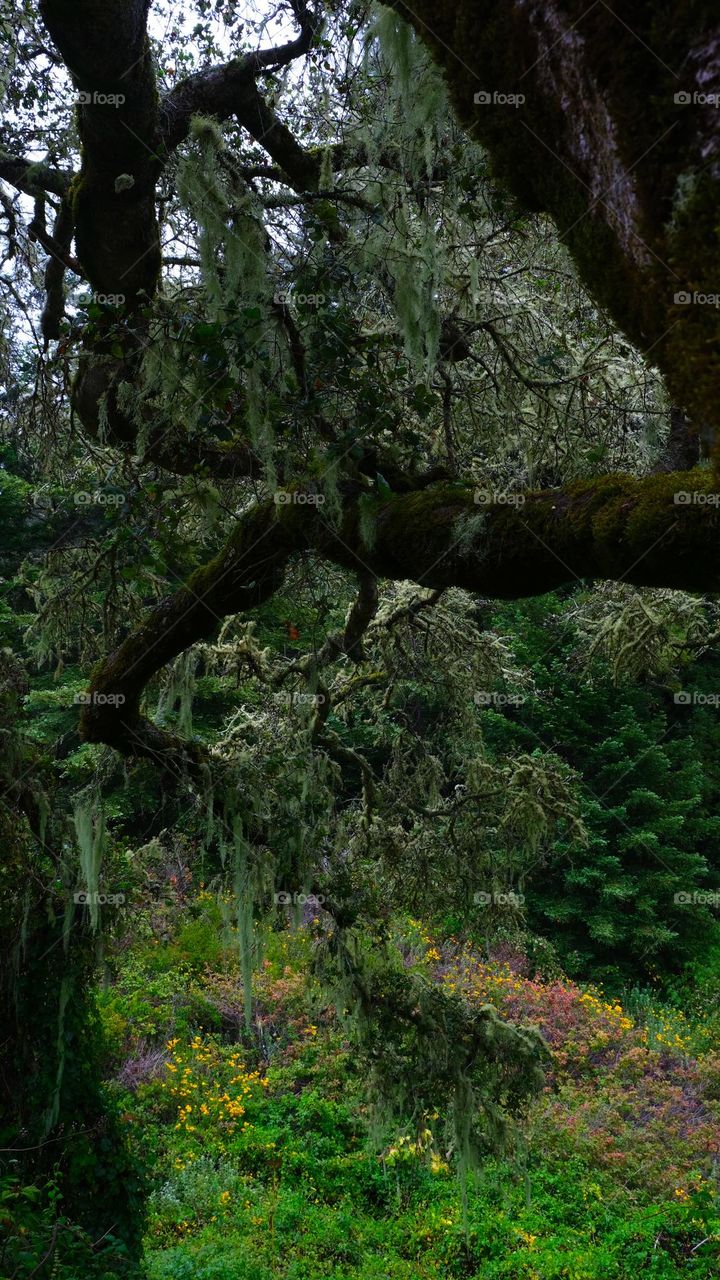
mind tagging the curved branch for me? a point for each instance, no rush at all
(33, 177)
(58, 247)
(229, 90)
(600, 115)
(361, 614)
(616, 527)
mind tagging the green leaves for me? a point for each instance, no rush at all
(612, 909)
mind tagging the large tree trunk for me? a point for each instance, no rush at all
(613, 130)
(55, 1121)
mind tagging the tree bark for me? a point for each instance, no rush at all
(661, 530)
(105, 47)
(603, 115)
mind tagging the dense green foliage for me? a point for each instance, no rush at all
(649, 802)
(265, 1161)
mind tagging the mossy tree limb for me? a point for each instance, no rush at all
(611, 131)
(128, 133)
(32, 177)
(616, 527)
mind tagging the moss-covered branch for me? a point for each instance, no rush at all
(605, 116)
(59, 260)
(614, 527)
(33, 178)
(127, 133)
(230, 90)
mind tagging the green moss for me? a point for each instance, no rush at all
(636, 269)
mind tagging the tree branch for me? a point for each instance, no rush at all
(228, 90)
(33, 177)
(597, 114)
(616, 527)
(57, 246)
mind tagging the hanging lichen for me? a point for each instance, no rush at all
(63, 998)
(178, 691)
(429, 1054)
(249, 876)
(326, 170)
(90, 828)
